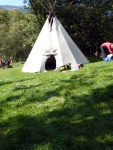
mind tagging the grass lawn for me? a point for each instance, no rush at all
(57, 111)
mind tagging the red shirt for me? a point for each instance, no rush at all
(1, 61)
(108, 46)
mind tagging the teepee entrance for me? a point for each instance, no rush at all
(50, 63)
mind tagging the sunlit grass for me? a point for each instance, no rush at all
(57, 111)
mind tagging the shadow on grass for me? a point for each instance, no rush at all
(23, 87)
(81, 123)
(10, 82)
(42, 95)
(94, 59)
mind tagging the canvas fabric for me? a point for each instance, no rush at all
(56, 42)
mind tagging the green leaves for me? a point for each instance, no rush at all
(89, 23)
(18, 33)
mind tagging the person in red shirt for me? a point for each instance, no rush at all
(106, 49)
(1, 61)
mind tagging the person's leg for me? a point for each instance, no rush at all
(103, 52)
(3, 65)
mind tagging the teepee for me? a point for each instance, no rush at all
(53, 48)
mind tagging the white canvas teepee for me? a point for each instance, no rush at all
(53, 48)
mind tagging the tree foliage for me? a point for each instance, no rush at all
(18, 33)
(88, 22)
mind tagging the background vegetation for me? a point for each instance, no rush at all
(88, 22)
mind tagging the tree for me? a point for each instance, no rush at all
(18, 36)
(85, 20)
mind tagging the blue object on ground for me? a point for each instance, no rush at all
(108, 58)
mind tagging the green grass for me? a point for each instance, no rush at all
(57, 111)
